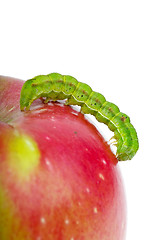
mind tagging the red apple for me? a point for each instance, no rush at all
(59, 180)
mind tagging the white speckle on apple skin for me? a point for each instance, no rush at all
(43, 221)
(66, 221)
(104, 162)
(87, 190)
(101, 176)
(11, 109)
(48, 138)
(95, 210)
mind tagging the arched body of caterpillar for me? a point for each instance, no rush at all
(55, 87)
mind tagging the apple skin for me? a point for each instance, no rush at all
(59, 179)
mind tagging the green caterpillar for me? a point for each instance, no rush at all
(55, 87)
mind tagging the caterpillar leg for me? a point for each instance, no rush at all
(72, 101)
(46, 97)
(86, 110)
(122, 157)
(46, 100)
(112, 138)
(113, 143)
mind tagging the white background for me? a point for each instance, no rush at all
(115, 47)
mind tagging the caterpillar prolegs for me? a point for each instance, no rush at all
(55, 87)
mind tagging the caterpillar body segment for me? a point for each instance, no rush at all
(69, 86)
(80, 95)
(57, 81)
(55, 87)
(93, 103)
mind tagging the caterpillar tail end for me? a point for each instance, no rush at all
(125, 156)
(122, 157)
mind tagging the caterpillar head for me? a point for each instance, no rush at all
(26, 95)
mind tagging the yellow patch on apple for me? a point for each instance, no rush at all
(10, 220)
(23, 155)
